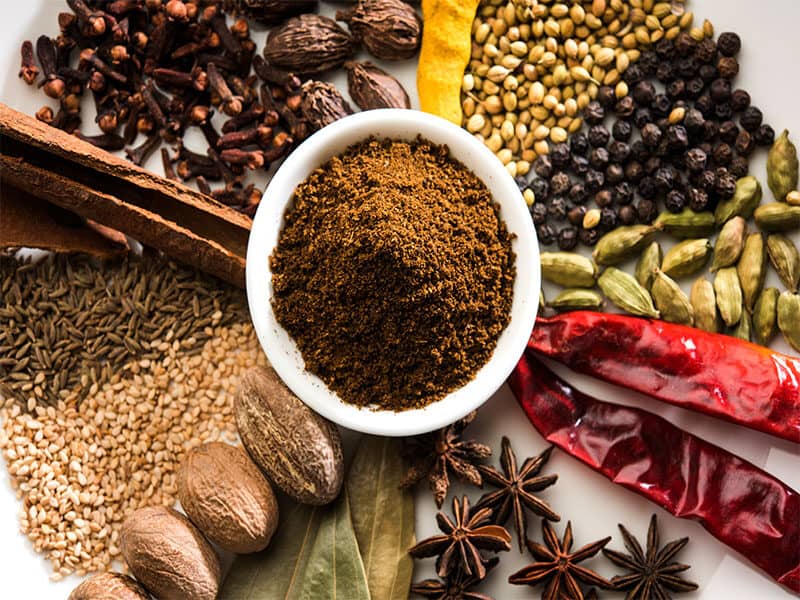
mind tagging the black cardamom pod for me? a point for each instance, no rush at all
(322, 104)
(309, 45)
(389, 29)
(371, 87)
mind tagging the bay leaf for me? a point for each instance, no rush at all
(334, 569)
(277, 571)
(383, 516)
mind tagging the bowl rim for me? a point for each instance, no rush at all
(268, 221)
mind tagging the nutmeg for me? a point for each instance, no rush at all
(389, 29)
(169, 556)
(371, 87)
(109, 586)
(227, 497)
(309, 45)
(322, 104)
(299, 450)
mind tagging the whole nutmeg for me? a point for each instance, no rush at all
(389, 29)
(227, 497)
(309, 45)
(371, 87)
(109, 586)
(299, 450)
(322, 104)
(169, 556)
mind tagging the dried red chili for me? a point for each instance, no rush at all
(738, 503)
(719, 375)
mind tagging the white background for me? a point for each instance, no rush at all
(769, 71)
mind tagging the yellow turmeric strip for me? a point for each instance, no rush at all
(446, 49)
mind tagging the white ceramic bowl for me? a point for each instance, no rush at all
(281, 349)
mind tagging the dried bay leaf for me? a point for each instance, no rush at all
(383, 516)
(334, 568)
(278, 571)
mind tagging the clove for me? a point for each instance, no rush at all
(195, 79)
(231, 105)
(93, 22)
(252, 159)
(107, 141)
(272, 74)
(53, 85)
(89, 56)
(166, 163)
(28, 70)
(142, 152)
(243, 119)
(260, 135)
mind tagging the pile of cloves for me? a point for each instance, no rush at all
(156, 68)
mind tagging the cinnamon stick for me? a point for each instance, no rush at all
(164, 214)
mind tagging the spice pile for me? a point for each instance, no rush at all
(393, 274)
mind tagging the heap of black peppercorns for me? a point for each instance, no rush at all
(689, 151)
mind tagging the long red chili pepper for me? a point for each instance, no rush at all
(738, 503)
(719, 375)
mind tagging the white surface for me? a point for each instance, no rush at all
(282, 351)
(595, 505)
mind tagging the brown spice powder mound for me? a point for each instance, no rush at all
(393, 274)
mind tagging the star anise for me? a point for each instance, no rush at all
(464, 538)
(516, 490)
(652, 572)
(434, 454)
(457, 586)
(557, 567)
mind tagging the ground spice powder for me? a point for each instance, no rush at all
(393, 274)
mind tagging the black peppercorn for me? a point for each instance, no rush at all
(594, 113)
(643, 93)
(594, 180)
(634, 171)
(707, 180)
(720, 90)
(608, 217)
(647, 188)
(624, 107)
(614, 173)
(642, 116)
(598, 136)
(687, 67)
(559, 183)
(722, 154)
(579, 143)
(665, 72)
(619, 151)
(578, 193)
(579, 164)
(665, 49)
(764, 135)
(745, 143)
(639, 151)
(622, 130)
(676, 89)
(740, 100)
(694, 87)
(675, 201)
(623, 193)
(559, 155)
(557, 208)
(685, 44)
(541, 189)
(575, 215)
(707, 73)
(705, 105)
(539, 213)
(710, 130)
(627, 214)
(728, 132)
(696, 160)
(652, 165)
(698, 199)
(726, 186)
(606, 96)
(568, 238)
(662, 150)
(546, 234)
(677, 138)
(589, 237)
(599, 158)
(661, 105)
(651, 135)
(739, 167)
(646, 211)
(751, 118)
(603, 198)
(543, 166)
(723, 111)
(728, 67)
(729, 43)
(706, 51)
(693, 121)
(633, 75)
(521, 182)
(664, 179)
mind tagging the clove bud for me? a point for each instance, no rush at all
(309, 45)
(371, 87)
(28, 69)
(322, 104)
(389, 29)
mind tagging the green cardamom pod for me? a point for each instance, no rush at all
(577, 299)
(568, 269)
(785, 258)
(704, 304)
(649, 260)
(670, 300)
(687, 223)
(626, 293)
(782, 166)
(789, 318)
(622, 243)
(686, 257)
(765, 316)
(743, 202)
(777, 216)
(744, 329)
(752, 268)
(729, 295)
(730, 243)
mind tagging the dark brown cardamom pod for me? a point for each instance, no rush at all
(371, 87)
(309, 45)
(271, 12)
(389, 29)
(322, 104)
